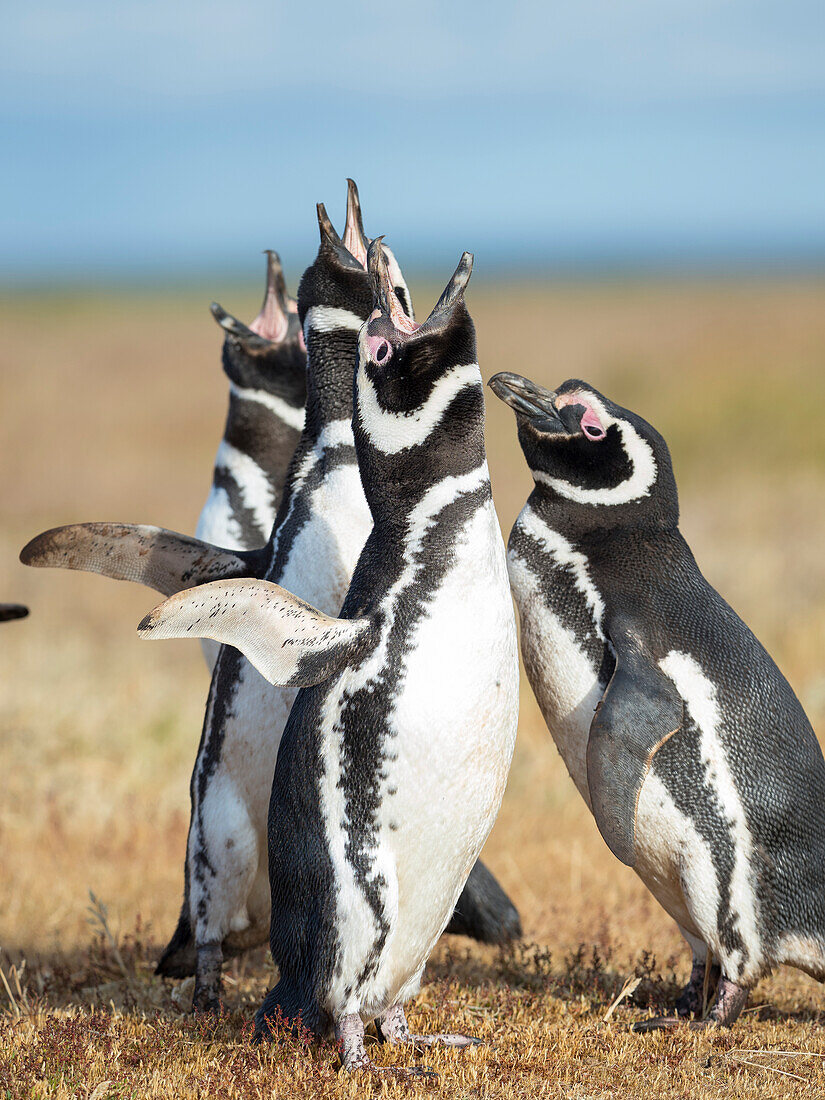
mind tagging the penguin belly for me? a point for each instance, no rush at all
(673, 861)
(229, 834)
(235, 766)
(322, 556)
(450, 736)
(219, 525)
(560, 666)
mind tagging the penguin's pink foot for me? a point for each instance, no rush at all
(691, 1001)
(730, 1000)
(349, 1033)
(393, 1028)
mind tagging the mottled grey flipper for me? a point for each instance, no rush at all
(289, 642)
(639, 711)
(160, 559)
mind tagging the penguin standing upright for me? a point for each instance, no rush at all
(265, 363)
(320, 529)
(685, 740)
(392, 769)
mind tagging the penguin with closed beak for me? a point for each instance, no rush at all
(687, 743)
(395, 756)
(318, 535)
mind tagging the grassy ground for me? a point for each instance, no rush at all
(111, 409)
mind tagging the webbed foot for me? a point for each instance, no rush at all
(349, 1032)
(730, 1000)
(393, 1028)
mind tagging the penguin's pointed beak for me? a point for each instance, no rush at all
(272, 321)
(355, 239)
(527, 400)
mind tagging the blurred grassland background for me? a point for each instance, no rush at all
(112, 407)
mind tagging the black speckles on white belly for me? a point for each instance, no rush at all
(559, 585)
(568, 663)
(685, 776)
(365, 726)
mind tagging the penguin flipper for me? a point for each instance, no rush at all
(639, 712)
(289, 642)
(160, 559)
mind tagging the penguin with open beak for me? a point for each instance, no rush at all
(394, 759)
(318, 535)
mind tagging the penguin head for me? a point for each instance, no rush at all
(337, 278)
(402, 360)
(268, 354)
(418, 386)
(588, 453)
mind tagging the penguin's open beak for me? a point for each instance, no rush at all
(528, 400)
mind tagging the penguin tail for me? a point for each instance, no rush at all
(178, 960)
(484, 912)
(285, 1011)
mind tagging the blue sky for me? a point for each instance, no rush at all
(185, 137)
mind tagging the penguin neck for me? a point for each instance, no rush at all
(279, 371)
(264, 427)
(329, 382)
(589, 523)
(397, 480)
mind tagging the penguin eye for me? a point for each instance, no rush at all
(591, 425)
(380, 349)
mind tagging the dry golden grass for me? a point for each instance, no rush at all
(112, 409)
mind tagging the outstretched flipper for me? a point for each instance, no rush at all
(289, 642)
(640, 710)
(160, 559)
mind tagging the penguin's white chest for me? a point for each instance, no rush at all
(451, 737)
(323, 556)
(564, 677)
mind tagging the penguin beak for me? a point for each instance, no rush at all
(528, 400)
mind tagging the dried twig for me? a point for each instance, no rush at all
(99, 916)
(17, 1013)
(629, 987)
(771, 1069)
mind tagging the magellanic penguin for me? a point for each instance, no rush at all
(320, 530)
(392, 767)
(265, 363)
(681, 734)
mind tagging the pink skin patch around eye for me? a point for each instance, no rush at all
(379, 349)
(590, 423)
